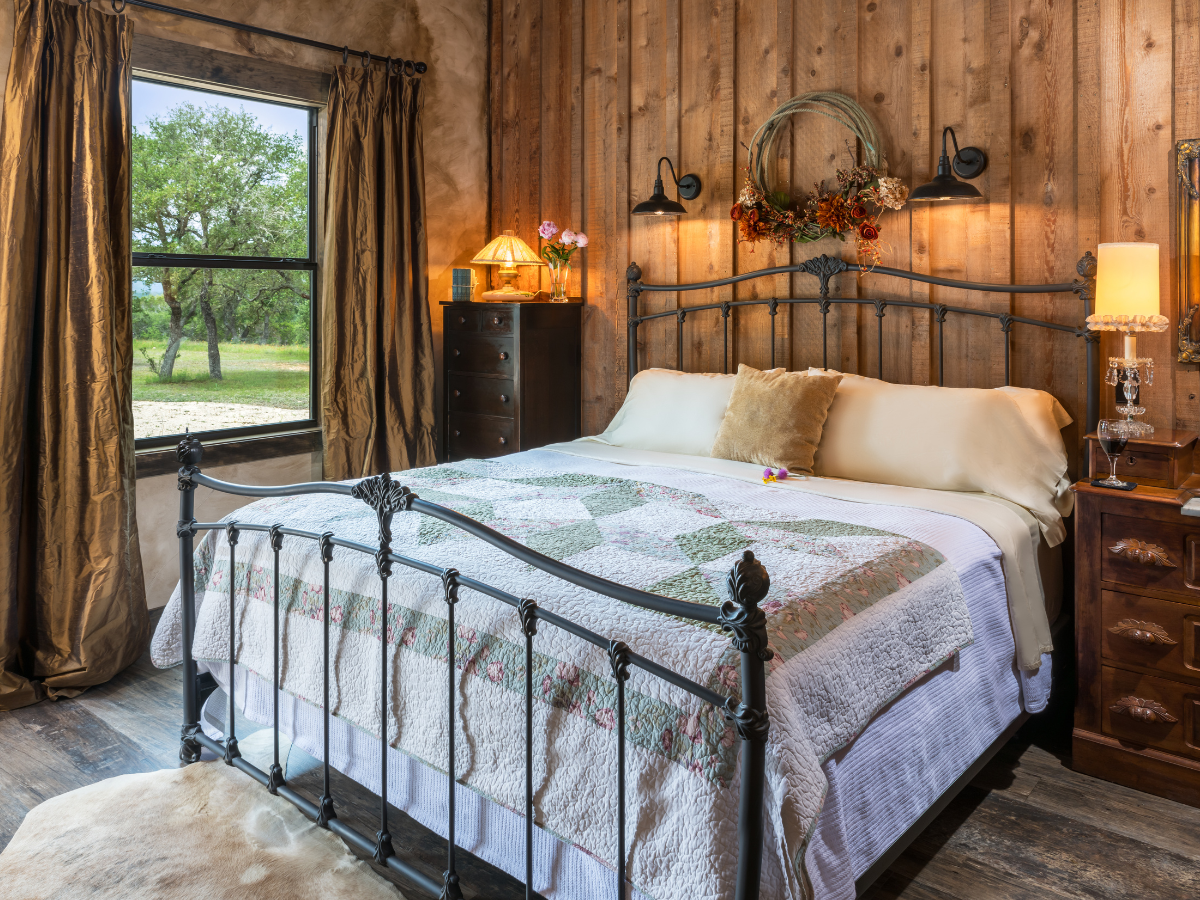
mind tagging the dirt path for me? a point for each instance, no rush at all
(152, 418)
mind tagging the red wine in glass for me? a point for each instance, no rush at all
(1112, 444)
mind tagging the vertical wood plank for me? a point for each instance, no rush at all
(764, 51)
(825, 54)
(924, 364)
(497, 88)
(554, 150)
(706, 142)
(1136, 62)
(606, 184)
(527, 139)
(653, 134)
(885, 90)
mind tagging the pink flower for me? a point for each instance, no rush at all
(782, 474)
(408, 637)
(336, 614)
(727, 737)
(728, 676)
(467, 634)
(568, 237)
(581, 239)
(668, 739)
(547, 684)
(567, 673)
(605, 718)
(690, 727)
(548, 229)
(495, 671)
(391, 635)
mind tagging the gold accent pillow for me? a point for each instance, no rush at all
(775, 418)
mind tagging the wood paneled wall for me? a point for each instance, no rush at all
(1076, 102)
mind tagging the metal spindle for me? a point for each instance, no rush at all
(450, 889)
(824, 307)
(880, 306)
(725, 325)
(679, 317)
(325, 804)
(1006, 323)
(618, 657)
(383, 838)
(275, 775)
(231, 744)
(773, 308)
(528, 612)
(939, 312)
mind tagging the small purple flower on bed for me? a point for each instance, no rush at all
(548, 230)
(782, 474)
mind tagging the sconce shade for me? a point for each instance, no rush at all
(1127, 289)
(946, 187)
(508, 250)
(659, 205)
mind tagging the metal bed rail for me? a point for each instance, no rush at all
(748, 584)
(825, 267)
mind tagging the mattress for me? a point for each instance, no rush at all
(879, 785)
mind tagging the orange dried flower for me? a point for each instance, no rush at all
(868, 232)
(832, 213)
(736, 212)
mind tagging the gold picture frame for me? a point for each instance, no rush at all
(1187, 248)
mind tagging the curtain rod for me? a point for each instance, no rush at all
(408, 66)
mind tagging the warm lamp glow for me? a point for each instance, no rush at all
(1127, 297)
(507, 251)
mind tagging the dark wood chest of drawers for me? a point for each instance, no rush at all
(512, 376)
(1137, 713)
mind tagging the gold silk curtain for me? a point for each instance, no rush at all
(377, 364)
(72, 599)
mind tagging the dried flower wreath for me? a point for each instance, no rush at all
(852, 209)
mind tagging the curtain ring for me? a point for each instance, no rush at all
(366, 58)
(116, 9)
(345, 54)
(410, 68)
(389, 67)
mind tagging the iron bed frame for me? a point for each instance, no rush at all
(747, 582)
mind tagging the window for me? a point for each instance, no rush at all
(224, 268)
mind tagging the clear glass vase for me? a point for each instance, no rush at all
(560, 277)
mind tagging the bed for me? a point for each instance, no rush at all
(870, 623)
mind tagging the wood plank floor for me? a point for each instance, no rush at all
(1027, 827)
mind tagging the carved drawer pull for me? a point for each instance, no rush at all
(1142, 552)
(1140, 710)
(503, 355)
(504, 398)
(503, 441)
(456, 351)
(458, 393)
(1142, 632)
(496, 320)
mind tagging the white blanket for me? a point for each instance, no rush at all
(820, 694)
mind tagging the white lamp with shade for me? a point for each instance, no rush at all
(1127, 300)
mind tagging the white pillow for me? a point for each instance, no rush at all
(672, 412)
(1000, 442)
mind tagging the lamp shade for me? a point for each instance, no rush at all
(508, 250)
(945, 187)
(1127, 290)
(659, 205)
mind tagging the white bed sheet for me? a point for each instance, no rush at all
(878, 786)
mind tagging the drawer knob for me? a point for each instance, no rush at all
(1142, 632)
(496, 320)
(1149, 711)
(1142, 552)
(504, 440)
(504, 398)
(456, 351)
(457, 433)
(503, 355)
(462, 319)
(458, 393)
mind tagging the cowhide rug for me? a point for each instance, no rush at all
(207, 832)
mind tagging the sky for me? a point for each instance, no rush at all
(152, 98)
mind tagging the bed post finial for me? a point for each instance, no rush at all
(189, 453)
(749, 584)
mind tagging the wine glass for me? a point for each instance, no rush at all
(1112, 434)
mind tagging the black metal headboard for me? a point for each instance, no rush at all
(825, 267)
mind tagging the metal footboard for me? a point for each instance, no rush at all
(748, 584)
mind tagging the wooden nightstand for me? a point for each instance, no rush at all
(1137, 582)
(512, 376)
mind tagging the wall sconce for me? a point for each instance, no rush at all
(658, 204)
(969, 162)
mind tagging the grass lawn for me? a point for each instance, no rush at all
(254, 374)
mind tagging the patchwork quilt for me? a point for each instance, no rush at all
(855, 615)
